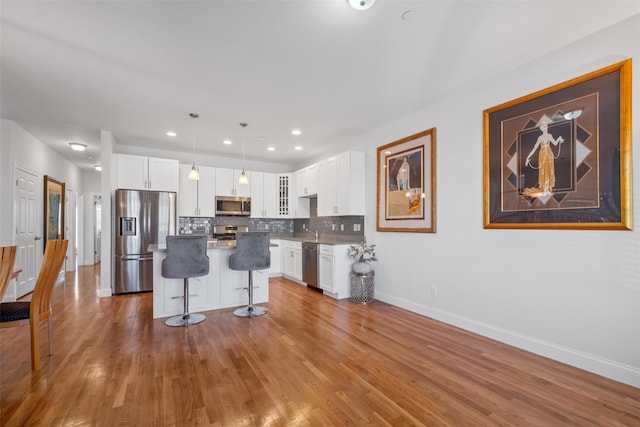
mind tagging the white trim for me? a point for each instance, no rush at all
(607, 368)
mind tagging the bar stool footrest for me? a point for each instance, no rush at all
(185, 320)
(250, 311)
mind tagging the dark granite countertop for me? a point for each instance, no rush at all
(211, 244)
(332, 239)
(328, 239)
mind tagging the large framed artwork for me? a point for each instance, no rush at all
(407, 184)
(54, 194)
(560, 158)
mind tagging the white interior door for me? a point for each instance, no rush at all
(97, 227)
(28, 234)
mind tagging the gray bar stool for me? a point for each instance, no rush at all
(186, 257)
(252, 253)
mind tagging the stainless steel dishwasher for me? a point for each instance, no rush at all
(310, 264)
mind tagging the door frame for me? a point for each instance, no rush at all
(38, 225)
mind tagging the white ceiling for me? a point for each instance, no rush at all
(138, 68)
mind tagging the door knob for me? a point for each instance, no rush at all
(38, 238)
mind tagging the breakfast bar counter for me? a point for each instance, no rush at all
(221, 288)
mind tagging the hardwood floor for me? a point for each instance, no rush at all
(310, 361)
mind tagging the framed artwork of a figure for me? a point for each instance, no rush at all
(560, 158)
(407, 184)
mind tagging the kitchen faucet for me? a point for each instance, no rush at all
(315, 233)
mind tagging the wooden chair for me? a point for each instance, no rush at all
(7, 260)
(39, 308)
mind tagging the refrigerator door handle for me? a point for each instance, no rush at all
(135, 257)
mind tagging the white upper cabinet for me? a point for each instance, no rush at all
(187, 194)
(163, 174)
(299, 207)
(284, 197)
(147, 173)
(350, 183)
(307, 178)
(197, 198)
(327, 197)
(227, 183)
(264, 195)
(341, 190)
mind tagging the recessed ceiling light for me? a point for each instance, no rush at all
(98, 167)
(297, 148)
(271, 148)
(171, 133)
(76, 146)
(226, 142)
(361, 4)
(296, 132)
(408, 15)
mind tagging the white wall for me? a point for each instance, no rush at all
(107, 184)
(205, 160)
(26, 151)
(6, 235)
(19, 148)
(570, 295)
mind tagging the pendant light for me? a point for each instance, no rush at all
(194, 175)
(243, 178)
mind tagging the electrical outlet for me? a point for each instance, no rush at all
(434, 291)
(341, 227)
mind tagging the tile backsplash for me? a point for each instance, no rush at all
(340, 225)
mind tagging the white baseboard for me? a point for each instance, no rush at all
(102, 292)
(597, 365)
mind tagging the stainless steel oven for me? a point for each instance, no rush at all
(228, 232)
(233, 206)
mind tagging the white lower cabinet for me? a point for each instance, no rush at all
(325, 268)
(291, 260)
(168, 294)
(275, 269)
(334, 270)
(234, 284)
(199, 288)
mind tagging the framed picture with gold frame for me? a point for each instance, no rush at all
(407, 184)
(560, 158)
(54, 194)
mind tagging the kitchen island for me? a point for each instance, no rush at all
(221, 288)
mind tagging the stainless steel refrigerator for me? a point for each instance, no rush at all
(142, 218)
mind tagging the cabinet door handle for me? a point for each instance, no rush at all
(182, 297)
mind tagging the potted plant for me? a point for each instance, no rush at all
(362, 254)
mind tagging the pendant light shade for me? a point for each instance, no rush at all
(194, 175)
(243, 178)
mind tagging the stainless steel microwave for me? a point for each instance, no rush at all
(233, 206)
